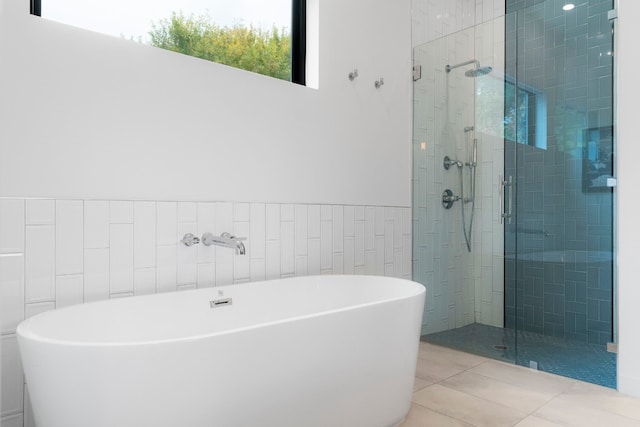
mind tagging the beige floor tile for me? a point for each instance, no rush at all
(573, 411)
(436, 370)
(513, 396)
(524, 377)
(466, 360)
(419, 416)
(420, 383)
(533, 421)
(437, 363)
(467, 408)
(604, 399)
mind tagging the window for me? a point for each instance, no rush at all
(525, 116)
(266, 37)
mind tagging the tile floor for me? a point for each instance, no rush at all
(453, 388)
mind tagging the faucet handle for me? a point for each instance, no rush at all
(189, 240)
(230, 236)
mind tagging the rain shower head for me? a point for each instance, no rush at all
(477, 70)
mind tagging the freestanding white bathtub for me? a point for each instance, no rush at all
(314, 351)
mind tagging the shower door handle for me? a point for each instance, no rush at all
(504, 184)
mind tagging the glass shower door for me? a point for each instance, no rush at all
(559, 151)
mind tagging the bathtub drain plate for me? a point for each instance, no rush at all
(220, 302)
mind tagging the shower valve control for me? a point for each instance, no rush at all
(448, 199)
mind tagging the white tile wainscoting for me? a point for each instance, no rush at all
(55, 253)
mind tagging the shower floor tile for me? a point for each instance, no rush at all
(581, 361)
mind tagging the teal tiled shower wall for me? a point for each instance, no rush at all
(561, 281)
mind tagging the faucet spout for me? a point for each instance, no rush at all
(240, 249)
(225, 240)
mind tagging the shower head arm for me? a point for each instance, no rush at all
(448, 68)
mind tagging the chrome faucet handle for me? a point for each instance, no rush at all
(230, 236)
(189, 240)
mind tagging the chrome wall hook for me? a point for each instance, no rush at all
(379, 83)
(353, 74)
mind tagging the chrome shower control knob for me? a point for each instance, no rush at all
(190, 240)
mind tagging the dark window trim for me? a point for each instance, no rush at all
(298, 41)
(298, 37)
(36, 7)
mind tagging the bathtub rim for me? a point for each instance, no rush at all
(24, 332)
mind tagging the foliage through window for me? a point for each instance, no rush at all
(525, 115)
(265, 37)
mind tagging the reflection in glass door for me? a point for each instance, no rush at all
(559, 149)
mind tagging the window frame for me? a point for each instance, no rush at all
(298, 37)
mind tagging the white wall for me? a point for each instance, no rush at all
(110, 151)
(85, 115)
(628, 204)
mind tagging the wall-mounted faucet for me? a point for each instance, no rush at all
(225, 240)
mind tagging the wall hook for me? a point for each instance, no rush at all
(353, 74)
(379, 83)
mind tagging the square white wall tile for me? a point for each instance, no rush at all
(314, 257)
(69, 290)
(272, 265)
(37, 308)
(144, 234)
(369, 228)
(12, 214)
(224, 266)
(121, 212)
(187, 212)
(388, 243)
(287, 212)
(326, 212)
(224, 218)
(96, 224)
(40, 263)
(359, 243)
(13, 421)
(338, 229)
(167, 270)
(12, 380)
(40, 212)
(349, 255)
(301, 230)
(313, 213)
(206, 224)
(349, 221)
(326, 245)
(96, 274)
(272, 222)
(144, 281)
(121, 258)
(258, 230)
(206, 275)
(301, 268)
(241, 212)
(167, 223)
(187, 257)
(69, 237)
(337, 266)
(258, 270)
(11, 292)
(287, 248)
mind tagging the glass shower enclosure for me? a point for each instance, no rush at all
(513, 188)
